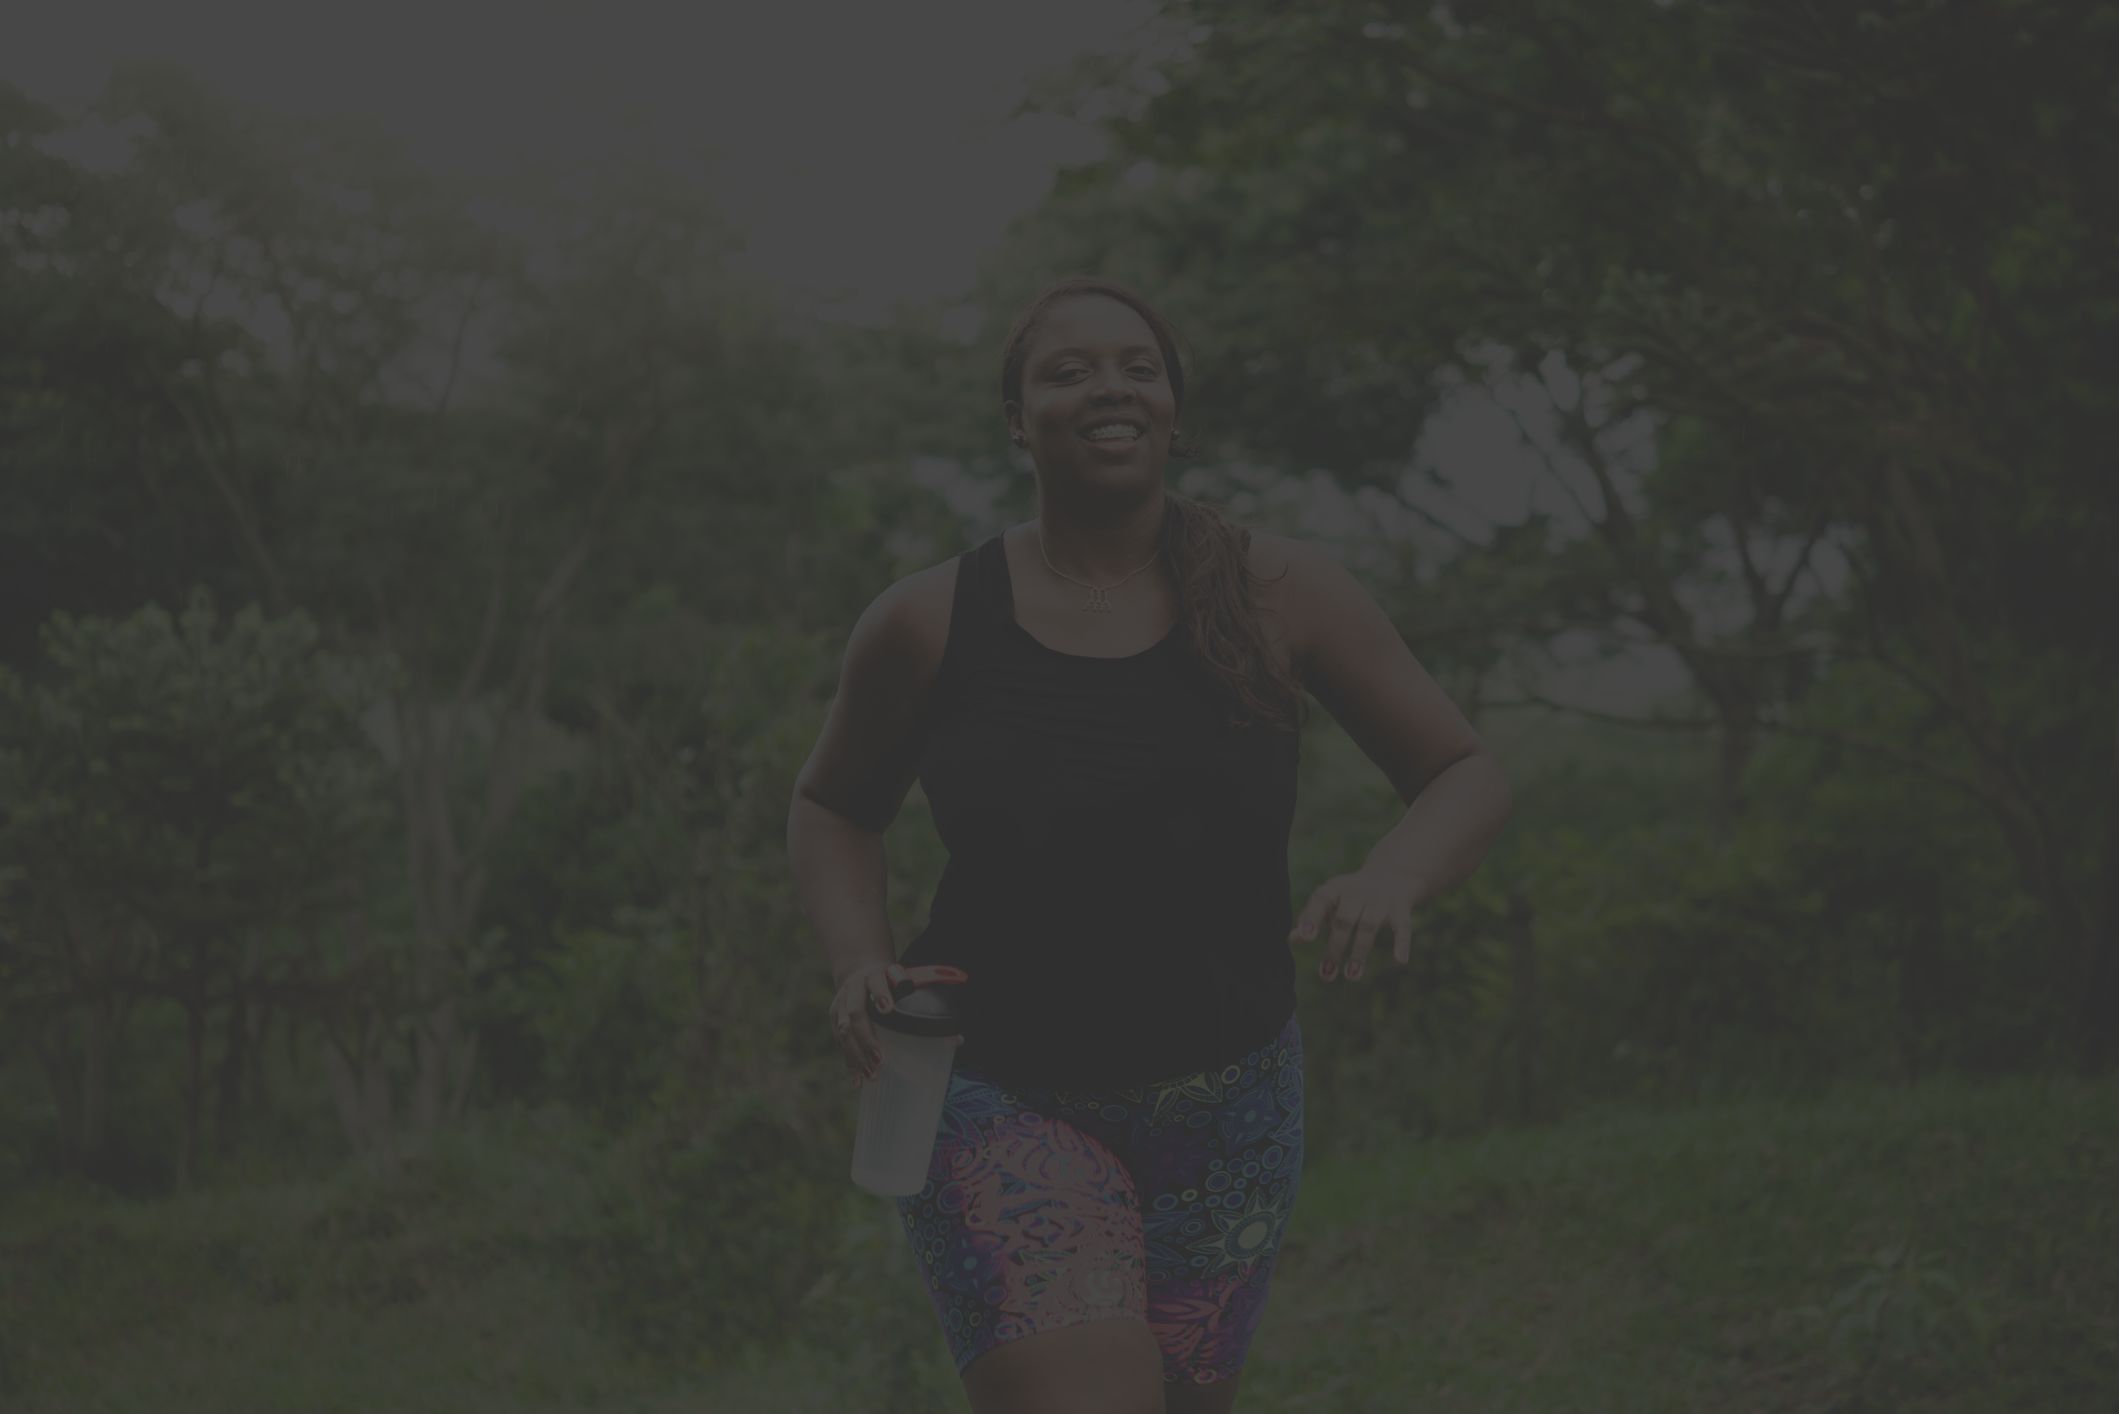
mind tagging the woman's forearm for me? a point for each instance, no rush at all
(840, 887)
(1448, 828)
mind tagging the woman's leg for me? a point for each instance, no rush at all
(1028, 1237)
(1216, 1398)
(1217, 1161)
(1109, 1366)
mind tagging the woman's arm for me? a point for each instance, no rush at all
(864, 763)
(1350, 657)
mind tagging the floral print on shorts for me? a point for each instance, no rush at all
(1046, 1207)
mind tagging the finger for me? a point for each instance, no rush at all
(1343, 921)
(1364, 939)
(879, 988)
(1306, 922)
(850, 1052)
(1323, 908)
(871, 1048)
(1402, 925)
(856, 1040)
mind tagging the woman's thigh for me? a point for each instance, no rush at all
(1045, 1208)
(1026, 1223)
(1216, 1161)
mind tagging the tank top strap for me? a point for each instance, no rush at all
(981, 609)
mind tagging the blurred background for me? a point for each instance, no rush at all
(443, 452)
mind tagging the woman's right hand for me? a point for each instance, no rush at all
(850, 1021)
(877, 982)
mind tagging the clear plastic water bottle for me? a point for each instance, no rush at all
(901, 1109)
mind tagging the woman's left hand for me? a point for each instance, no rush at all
(1354, 906)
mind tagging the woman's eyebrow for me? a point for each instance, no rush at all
(1128, 351)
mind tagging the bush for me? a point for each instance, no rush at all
(710, 1243)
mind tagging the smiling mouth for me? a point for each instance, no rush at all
(1114, 434)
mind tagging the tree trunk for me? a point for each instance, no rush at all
(1920, 982)
(1514, 1082)
(1737, 742)
(235, 1049)
(194, 1080)
(446, 1057)
(50, 1041)
(2100, 1021)
(2011, 794)
(99, 1032)
(1526, 1024)
(360, 1092)
(254, 1072)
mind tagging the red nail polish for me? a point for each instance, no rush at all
(1326, 972)
(1354, 972)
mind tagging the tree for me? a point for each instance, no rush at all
(182, 792)
(1846, 265)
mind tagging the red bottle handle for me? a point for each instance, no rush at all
(934, 972)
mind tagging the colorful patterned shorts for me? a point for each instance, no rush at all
(1046, 1208)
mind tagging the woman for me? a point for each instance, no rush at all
(1102, 706)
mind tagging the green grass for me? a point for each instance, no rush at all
(1944, 1248)
(1948, 1247)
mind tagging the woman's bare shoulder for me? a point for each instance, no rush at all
(1272, 553)
(910, 618)
(1276, 563)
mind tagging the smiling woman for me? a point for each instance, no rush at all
(1103, 706)
(1092, 382)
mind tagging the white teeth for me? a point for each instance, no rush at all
(1110, 430)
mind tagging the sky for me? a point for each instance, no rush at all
(865, 148)
(867, 151)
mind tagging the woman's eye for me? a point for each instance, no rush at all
(1075, 370)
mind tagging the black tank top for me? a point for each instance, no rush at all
(1117, 881)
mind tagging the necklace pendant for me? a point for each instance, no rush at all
(1099, 601)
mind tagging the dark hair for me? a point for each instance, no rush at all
(1208, 551)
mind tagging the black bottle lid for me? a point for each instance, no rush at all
(922, 1004)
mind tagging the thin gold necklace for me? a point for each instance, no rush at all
(1099, 600)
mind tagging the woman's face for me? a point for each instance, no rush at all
(1097, 407)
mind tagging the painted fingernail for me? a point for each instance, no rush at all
(1354, 973)
(1326, 971)
(883, 1005)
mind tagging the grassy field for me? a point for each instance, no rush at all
(1946, 1247)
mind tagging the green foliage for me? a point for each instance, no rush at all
(185, 796)
(1934, 1248)
(710, 1241)
(184, 758)
(605, 1009)
(1684, 960)
(1903, 1318)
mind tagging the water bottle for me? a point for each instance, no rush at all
(901, 1109)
